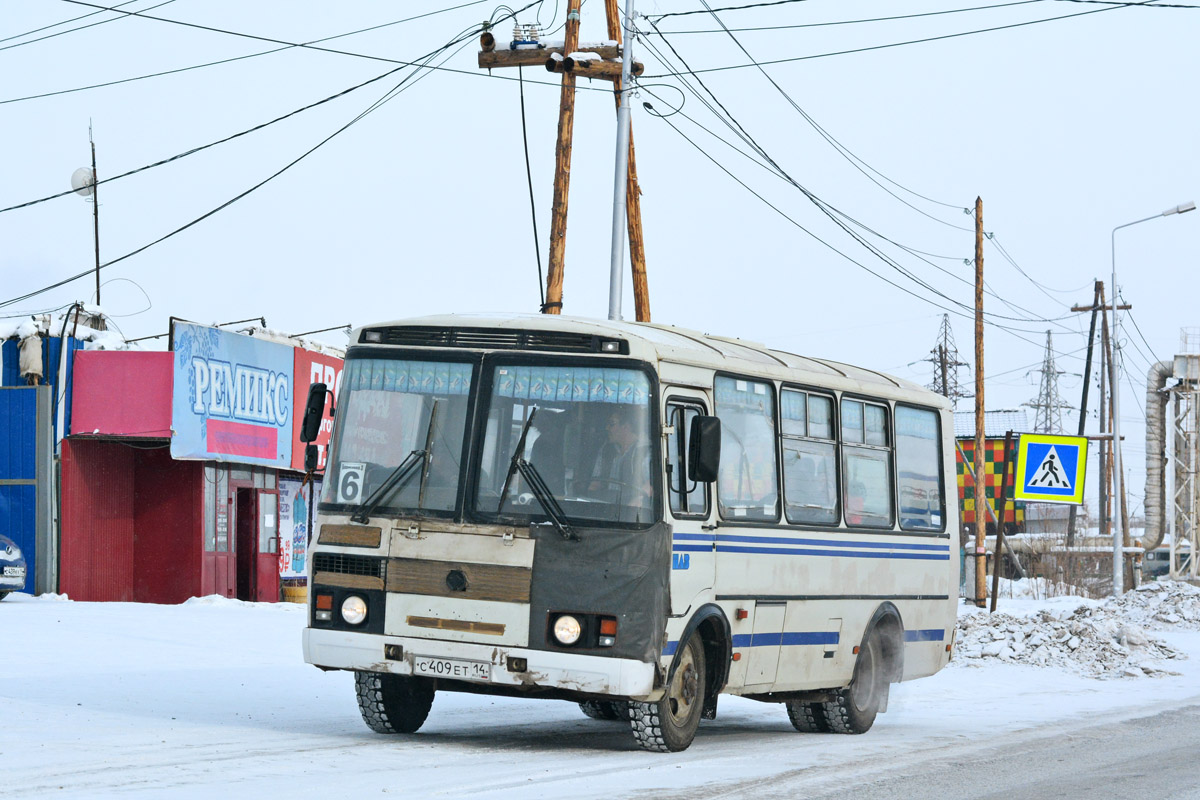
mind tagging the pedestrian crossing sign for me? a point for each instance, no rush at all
(1050, 469)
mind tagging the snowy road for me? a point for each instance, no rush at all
(212, 698)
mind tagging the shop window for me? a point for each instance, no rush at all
(210, 509)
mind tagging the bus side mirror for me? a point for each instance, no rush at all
(310, 457)
(704, 449)
(314, 411)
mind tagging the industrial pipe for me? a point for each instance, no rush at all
(1156, 438)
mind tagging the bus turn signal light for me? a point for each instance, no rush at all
(741, 613)
(608, 626)
(325, 602)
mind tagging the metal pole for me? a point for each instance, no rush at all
(1087, 379)
(95, 211)
(622, 170)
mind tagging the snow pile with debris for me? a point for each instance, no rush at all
(1099, 640)
(1162, 605)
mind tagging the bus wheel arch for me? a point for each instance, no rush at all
(712, 626)
(879, 663)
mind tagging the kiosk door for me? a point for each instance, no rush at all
(266, 559)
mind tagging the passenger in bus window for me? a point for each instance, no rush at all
(856, 498)
(622, 467)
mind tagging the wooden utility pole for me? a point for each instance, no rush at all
(562, 170)
(980, 460)
(1096, 306)
(607, 67)
(633, 195)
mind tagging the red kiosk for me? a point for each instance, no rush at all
(153, 514)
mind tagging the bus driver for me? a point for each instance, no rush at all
(622, 470)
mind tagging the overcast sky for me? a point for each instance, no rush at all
(1065, 128)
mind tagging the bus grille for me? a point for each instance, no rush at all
(491, 339)
(344, 564)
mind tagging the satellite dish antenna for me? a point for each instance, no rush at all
(83, 181)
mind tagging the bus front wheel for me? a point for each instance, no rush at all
(605, 709)
(669, 725)
(853, 709)
(393, 703)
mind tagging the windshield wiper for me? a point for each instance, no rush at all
(397, 480)
(546, 497)
(401, 475)
(516, 457)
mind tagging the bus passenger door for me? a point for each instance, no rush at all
(690, 505)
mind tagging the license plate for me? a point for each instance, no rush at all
(452, 668)
(14, 572)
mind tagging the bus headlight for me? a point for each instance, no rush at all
(354, 609)
(567, 629)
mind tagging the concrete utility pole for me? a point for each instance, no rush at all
(631, 204)
(980, 460)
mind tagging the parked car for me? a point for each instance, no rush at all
(12, 567)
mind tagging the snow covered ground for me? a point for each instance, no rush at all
(212, 698)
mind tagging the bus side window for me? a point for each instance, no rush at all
(919, 469)
(866, 464)
(809, 459)
(687, 498)
(748, 485)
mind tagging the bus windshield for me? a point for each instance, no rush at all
(401, 425)
(589, 441)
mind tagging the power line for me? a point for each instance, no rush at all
(853, 159)
(857, 21)
(898, 44)
(235, 58)
(841, 149)
(460, 40)
(829, 210)
(56, 24)
(81, 27)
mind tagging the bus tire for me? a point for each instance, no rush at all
(393, 703)
(807, 717)
(669, 725)
(605, 709)
(853, 709)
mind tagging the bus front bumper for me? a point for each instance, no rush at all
(480, 663)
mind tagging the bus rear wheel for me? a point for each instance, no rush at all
(853, 709)
(393, 703)
(669, 725)
(807, 717)
(605, 709)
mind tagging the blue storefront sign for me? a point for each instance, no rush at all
(232, 398)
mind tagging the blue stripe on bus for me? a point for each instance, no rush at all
(930, 635)
(692, 548)
(790, 551)
(945, 548)
(695, 537)
(786, 639)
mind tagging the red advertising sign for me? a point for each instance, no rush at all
(312, 367)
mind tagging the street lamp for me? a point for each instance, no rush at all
(1118, 532)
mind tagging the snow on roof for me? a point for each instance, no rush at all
(995, 423)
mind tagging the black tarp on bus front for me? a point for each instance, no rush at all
(624, 574)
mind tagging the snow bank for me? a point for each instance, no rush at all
(1105, 639)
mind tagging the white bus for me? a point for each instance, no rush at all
(630, 516)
